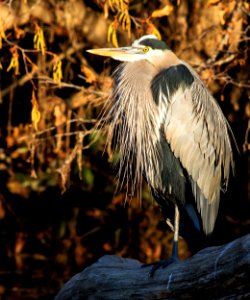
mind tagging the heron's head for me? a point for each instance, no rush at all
(148, 47)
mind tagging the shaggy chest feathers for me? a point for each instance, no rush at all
(138, 121)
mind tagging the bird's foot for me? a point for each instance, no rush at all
(160, 264)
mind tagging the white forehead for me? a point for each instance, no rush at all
(145, 37)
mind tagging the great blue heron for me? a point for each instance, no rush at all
(171, 131)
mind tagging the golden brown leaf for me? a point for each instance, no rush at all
(57, 70)
(16, 187)
(35, 113)
(112, 33)
(165, 11)
(212, 2)
(89, 74)
(106, 10)
(19, 32)
(107, 247)
(39, 41)
(14, 62)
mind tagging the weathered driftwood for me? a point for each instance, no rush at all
(221, 272)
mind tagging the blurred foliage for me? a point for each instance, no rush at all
(59, 206)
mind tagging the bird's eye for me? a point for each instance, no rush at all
(145, 49)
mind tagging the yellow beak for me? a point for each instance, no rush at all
(122, 53)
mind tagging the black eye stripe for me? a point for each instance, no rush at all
(154, 44)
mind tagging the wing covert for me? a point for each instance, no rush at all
(198, 135)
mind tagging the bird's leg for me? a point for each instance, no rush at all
(176, 233)
(174, 256)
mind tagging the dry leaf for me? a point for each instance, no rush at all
(107, 247)
(39, 41)
(90, 75)
(59, 114)
(19, 32)
(9, 141)
(247, 109)
(247, 6)
(16, 187)
(165, 11)
(35, 113)
(14, 62)
(212, 2)
(33, 174)
(112, 37)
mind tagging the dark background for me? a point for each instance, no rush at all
(60, 209)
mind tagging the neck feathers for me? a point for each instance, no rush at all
(134, 116)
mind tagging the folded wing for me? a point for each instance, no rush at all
(198, 135)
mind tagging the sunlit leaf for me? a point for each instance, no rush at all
(17, 187)
(110, 30)
(14, 62)
(112, 37)
(39, 41)
(19, 32)
(125, 22)
(247, 5)
(212, 2)
(106, 10)
(118, 5)
(57, 70)
(89, 74)
(165, 11)
(107, 247)
(35, 113)
(59, 114)
(221, 15)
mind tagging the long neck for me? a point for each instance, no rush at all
(135, 114)
(164, 59)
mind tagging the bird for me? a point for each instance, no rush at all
(169, 130)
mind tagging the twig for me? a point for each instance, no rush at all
(246, 145)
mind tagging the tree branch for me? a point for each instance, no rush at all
(220, 272)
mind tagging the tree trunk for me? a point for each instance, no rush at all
(221, 272)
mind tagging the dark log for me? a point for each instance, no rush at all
(221, 272)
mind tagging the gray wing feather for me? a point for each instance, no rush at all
(199, 136)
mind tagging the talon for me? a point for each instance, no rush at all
(160, 264)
